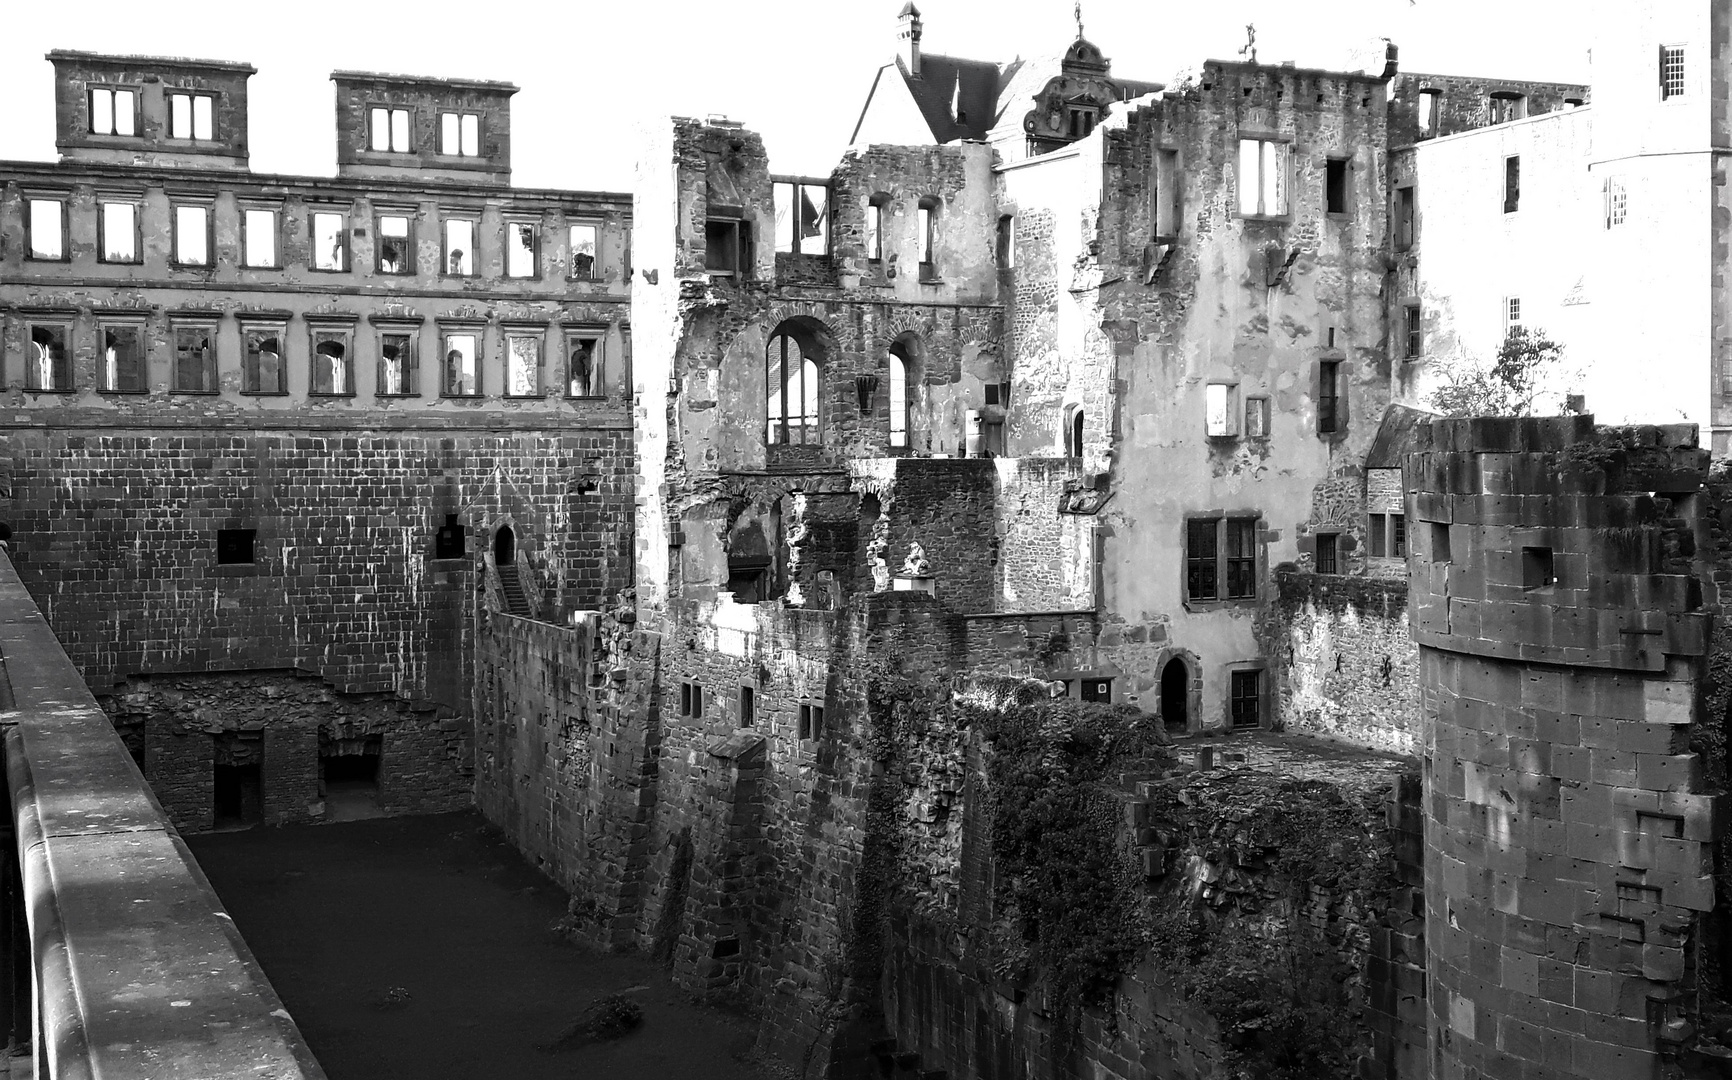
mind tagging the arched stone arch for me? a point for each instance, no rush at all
(1167, 679)
(832, 331)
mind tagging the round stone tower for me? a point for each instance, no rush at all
(1563, 639)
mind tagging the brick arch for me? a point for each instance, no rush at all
(836, 329)
(898, 323)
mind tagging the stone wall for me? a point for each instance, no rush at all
(1347, 665)
(1570, 836)
(1464, 102)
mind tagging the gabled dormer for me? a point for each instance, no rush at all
(150, 110)
(408, 126)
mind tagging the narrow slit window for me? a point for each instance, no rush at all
(396, 248)
(875, 226)
(1413, 332)
(333, 374)
(459, 247)
(928, 222)
(50, 367)
(1512, 183)
(1404, 218)
(259, 238)
(1671, 72)
(1006, 241)
(522, 365)
(47, 229)
(584, 370)
(898, 401)
(520, 247)
(748, 706)
(462, 377)
(119, 232)
(192, 235)
(195, 360)
(263, 371)
(123, 359)
(1335, 185)
(398, 372)
(1169, 194)
(330, 242)
(1329, 397)
(582, 247)
(1325, 553)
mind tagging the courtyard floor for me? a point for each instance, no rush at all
(416, 947)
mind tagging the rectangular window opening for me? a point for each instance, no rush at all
(459, 247)
(50, 366)
(192, 235)
(927, 214)
(123, 359)
(1335, 185)
(1100, 690)
(1169, 194)
(113, 111)
(1257, 418)
(1328, 397)
(1241, 558)
(460, 134)
(396, 247)
(388, 130)
(1263, 166)
(234, 547)
(1617, 202)
(748, 706)
(1006, 242)
(1404, 217)
(1538, 568)
(1398, 536)
(522, 365)
(1440, 541)
(802, 217)
(119, 232)
(259, 238)
(1376, 529)
(450, 540)
(1671, 72)
(195, 360)
(1430, 102)
(875, 229)
(726, 244)
(191, 116)
(584, 370)
(333, 373)
(1201, 564)
(1413, 336)
(398, 364)
(263, 370)
(1512, 183)
(47, 227)
(1221, 407)
(522, 242)
(581, 240)
(462, 372)
(1325, 557)
(330, 241)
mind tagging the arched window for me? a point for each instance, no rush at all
(791, 385)
(898, 397)
(1073, 432)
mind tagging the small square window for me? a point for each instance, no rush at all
(1538, 568)
(1257, 418)
(388, 130)
(459, 247)
(235, 547)
(396, 245)
(1221, 407)
(50, 366)
(1335, 185)
(450, 540)
(119, 232)
(748, 706)
(1439, 542)
(581, 248)
(399, 364)
(123, 359)
(330, 241)
(1246, 699)
(47, 229)
(726, 241)
(1325, 560)
(259, 238)
(521, 244)
(195, 369)
(263, 370)
(1097, 690)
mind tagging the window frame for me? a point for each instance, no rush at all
(1257, 405)
(409, 248)
(1331, 410)
(873, 238)
(1412, 330)
(103, 202)
(411, 333)
(321, 328)
(1512, 314)
(515, 222)
(796, 187)
(1230, 405)
(449, 330)
(598, 360)
(1667, 94)
(176, 326)
(926, 214)
(446, 219)
(104, 326)
(175, 206)
(1406, 215)
(346, 259)
(1237, 677)
(194, 98)
(1283, 176)
(64, 366)
(391, 112)
(112, 89)
(1429, 123)
(537, 334)
(460, 116)
(252, 329)
(1220, 566)
(571, 273)
(1512, 183)
(741, 230)
(817, 427)
(1344, 165)
(1617, 201)
(247, 233)
(62, 200)
(1330, 542)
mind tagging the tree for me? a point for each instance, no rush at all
(1526, 361)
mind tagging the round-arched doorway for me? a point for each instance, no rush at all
(1175, 695)
(504, 546)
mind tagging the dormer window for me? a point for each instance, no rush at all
(388, 130)
(113, 111)
(460, 134)
(190, 116)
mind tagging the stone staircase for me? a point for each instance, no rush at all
(511, 591)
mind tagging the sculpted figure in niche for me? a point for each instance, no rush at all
(916, 565)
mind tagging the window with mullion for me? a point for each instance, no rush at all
(1201, 567)
(1241, 558)
(791, 382)
(1246, 698)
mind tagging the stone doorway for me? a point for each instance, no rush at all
(349, 777)
(504, 546)
(1176, 696)
(237, 780)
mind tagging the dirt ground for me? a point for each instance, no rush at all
(418, 947)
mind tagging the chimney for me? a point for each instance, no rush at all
(908, 37)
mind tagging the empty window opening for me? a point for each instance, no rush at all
(1175, 695)
(190, 117)
(581, 247)
(1413, 334)
(521, 244)
(1072, 432)
(928, 224)
(875, 226)
(726, 247)
(263, 370)
(123, 359)
(504, 546)
(119, 232)
(234, 547)
(1246, 699)
(748, 579)
(1257, 418)
(192, 235)
(1262, 177)
(802, 217)
(725, 947)
(1220, 409)
(462, 375)
(1430, 104)
(1404, 217)
(459, 247)
(1617, 202)
(113, 111)
(902, 377)
(388, 130)
(811, 721)
(748, 706)
(1329, 397)
(1506, 107)
(1097, 690)
(50, 366)
(522, 365)
(1439, 542)
(47, 225)
(330, 242)
(450, 540)
(1325, 561)
(1671, 72)
(1538, 569)
(791, 382)
(195, 359)
(692, 700)
(259, 238)
(1006, 242)
(1335, 185)
(396, 252)
(1081, 121)
(460, 134)
(1376, 527)
(1512, 183)
(584, 375)
(1169, 193)
(399, 368)
(332, 372)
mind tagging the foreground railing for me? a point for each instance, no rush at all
(121, 961)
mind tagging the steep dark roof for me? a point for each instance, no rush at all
(1394, 437)
(937, 87)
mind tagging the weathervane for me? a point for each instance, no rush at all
(1079, 32)
(1250, 48)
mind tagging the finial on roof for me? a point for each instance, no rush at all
(1079, 32)
(1250, 49)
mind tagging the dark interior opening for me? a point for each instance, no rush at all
(504, 546)
(1175, 695)
(728, 946)
(448, 542)
(235, 546)
(352, 770)
(1538, 569)
(239, 792)
(1335, 185)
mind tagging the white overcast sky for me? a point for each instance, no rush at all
(795, 71)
